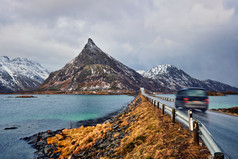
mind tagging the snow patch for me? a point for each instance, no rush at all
(21, 70)
(141, 72)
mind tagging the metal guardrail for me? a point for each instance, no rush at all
(184, 119)
(166, 98)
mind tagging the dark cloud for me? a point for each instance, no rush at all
(199, 37)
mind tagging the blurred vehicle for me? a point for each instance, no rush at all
(192, 98)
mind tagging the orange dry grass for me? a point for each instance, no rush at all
(150, 135)
(154, 136)
(71, 141)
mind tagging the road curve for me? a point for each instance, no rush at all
(222, 127)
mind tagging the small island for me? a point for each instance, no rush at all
(26, 96)
(230, 111)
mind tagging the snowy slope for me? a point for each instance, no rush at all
(174, 78)
(20, 74)
(158, 70)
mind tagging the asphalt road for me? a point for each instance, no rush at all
(223, 128)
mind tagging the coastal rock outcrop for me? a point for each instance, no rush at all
(39, 142)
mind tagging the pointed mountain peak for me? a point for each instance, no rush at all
(92, 54)
(91, 47)
(90, 42)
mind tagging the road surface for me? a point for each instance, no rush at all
(223, 128)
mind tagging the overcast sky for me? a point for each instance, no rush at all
(198, 36)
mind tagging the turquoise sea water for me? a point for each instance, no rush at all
(48, 112)
(223, 101)
(216, 102)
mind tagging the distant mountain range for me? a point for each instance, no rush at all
(94, 70)
(20, 74)
(175, 79)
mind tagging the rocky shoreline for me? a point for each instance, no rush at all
(39, 142)
(139, 131)
(44, 151)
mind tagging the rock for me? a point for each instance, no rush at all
(48, 148)
(82, 154)
(116, 126)
(41, 143)
(32, 140)
(11, 128)
(46, 135)
(26, 96)
(40, 154)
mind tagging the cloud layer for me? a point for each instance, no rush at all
(199, 37)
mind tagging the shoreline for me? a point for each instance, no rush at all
(103, 92)
(229, 111)
(100, 120)
(38, 141)
(140, 127)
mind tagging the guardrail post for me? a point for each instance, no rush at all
(190, 120)
(173, 115)
(218, 155)
(195, 133)
(158, 104)
(162, 108)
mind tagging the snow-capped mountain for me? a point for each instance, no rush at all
(175, 78)
(218, 86)
(158, 70)
(20, 74)
(93, 70)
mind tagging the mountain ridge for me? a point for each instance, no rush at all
(95, 70)
(175, 79)
(20, 74)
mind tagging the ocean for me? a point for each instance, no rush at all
(48, 112)
(216, 102)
